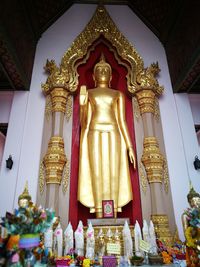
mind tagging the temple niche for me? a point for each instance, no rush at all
(58, 177)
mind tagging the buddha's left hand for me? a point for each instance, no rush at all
(131, 156)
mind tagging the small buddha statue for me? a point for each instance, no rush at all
(24, 198)
(192, 234)
(194, 201)
(101, 243)
(117, 239)
(109, 236)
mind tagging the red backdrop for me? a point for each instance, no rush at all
(76, 210)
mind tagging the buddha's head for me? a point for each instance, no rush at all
(193, 198)
(24, 198)
(102, 72)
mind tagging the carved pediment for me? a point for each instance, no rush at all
(101, 24)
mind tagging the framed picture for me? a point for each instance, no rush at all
(108, 208)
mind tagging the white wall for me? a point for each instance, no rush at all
(52, 45)
(13, 145)
(195, 107)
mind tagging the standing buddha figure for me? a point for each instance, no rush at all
(105, 145)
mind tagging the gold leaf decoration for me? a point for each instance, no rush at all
(48, 107)
(143, 178)
(69, 107)
(166, 176)
(101, 24)
(157, 110)
(41, 177)
(66, 174)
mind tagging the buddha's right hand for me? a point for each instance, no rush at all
(83, 95)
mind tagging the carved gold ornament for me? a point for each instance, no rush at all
(58, 77)
(66, 176)
(143, 178)
(101, 24)
(54, 160)
(153, 160)
(148, 89)
(59, 99)
(41, 177)
(146, 79)
(146, 101)
(161, 224)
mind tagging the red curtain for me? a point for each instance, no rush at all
(76, 210)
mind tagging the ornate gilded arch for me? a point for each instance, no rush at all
(101, 24)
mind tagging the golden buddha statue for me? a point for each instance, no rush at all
(105, 145)
(194, 201)
(24, 198)
(192, 232)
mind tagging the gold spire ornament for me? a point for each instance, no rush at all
(24, 198)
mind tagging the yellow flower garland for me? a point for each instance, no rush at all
(191, 242)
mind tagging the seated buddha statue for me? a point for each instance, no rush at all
(191, 228)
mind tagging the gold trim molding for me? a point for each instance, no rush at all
(143, 178)
(153, 160)
(166, 177)
(66, 176)
(41, 177)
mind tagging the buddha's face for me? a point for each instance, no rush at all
(195, 202)
(102, 74)
(23, 203)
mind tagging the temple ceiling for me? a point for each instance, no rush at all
(174, 22)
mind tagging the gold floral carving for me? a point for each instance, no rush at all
(101, 24)
(136, 108)
(48, 107)
(162, 230)
(41, 178)
(146, 79)
(68, 112)
(143, 178)
(153, 160)
(148, 89)
(66, 175)
(166, 176)
(58, 77)
(54, 160)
